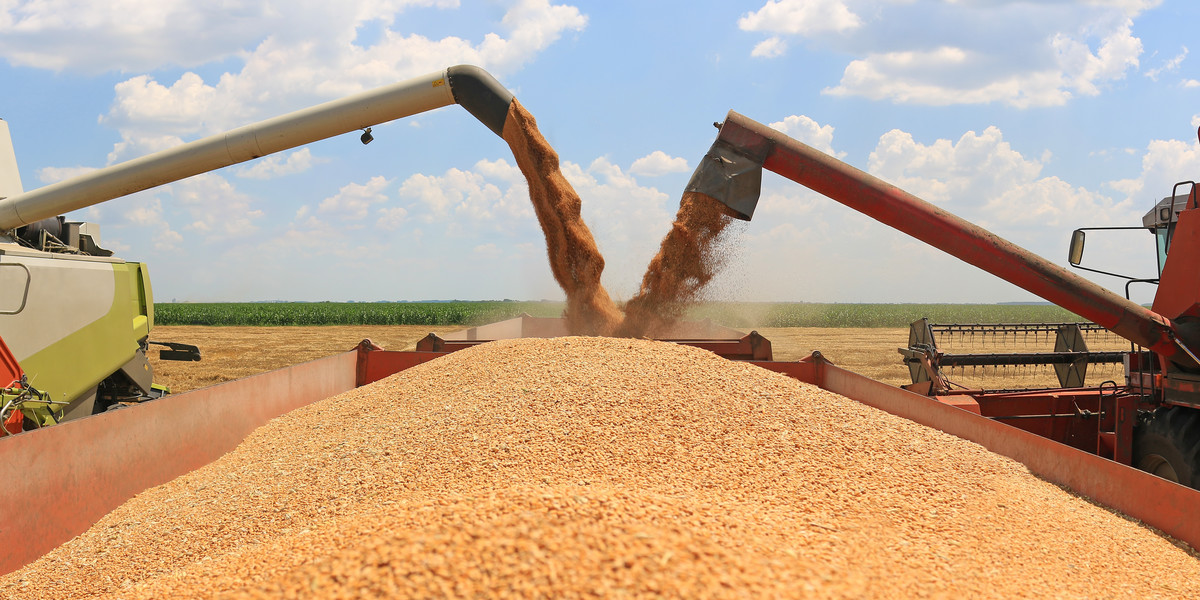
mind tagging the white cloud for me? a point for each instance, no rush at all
(139, 35)
(313, 57)
(354, 200)
(147, 213)
(658, 163)
(1162, 164)
(1021, 54)
(1083, 70)
(392, 219)
(218, 210)
(800, 17)
(487, 251)
(484, 212)
(788, 250)
(279, 165)
(459, 194)
(911, 77)
(769, 48)
(627, 219)
(1168, 66)
(810, 132)
(50, 175)
(962, 174)
(313, 54)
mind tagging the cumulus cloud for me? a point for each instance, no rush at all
(627, 218)
(354, 200)
(125, 35)
(314, 55)
(147, 213)
(485, 209)
(315, 51)
(808, 131)
(963, 173)
(1162, 163)
(1021, 54)
(800, 17)
(978, 176)
(392, 219)
(769, 48)
(487, 251)
(50, 175)
(658, 163)
(279, 165)
(1168, 66)
(469, 194)
(217, 209)
(140, 35)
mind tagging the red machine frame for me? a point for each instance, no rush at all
(1163, 372)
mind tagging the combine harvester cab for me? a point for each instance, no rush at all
(76, 319)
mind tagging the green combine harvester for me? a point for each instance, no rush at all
(75, 321)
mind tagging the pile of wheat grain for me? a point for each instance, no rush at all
(606, 467)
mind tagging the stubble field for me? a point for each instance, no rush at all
(235, 352)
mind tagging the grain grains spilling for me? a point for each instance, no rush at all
(605, 467)
(687, 261)
(575, 260)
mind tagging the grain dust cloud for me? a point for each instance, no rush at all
(688, 259)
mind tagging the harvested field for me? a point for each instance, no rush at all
(605, 467)
(236, 352)
(229, 353)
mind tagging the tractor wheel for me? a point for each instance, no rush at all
(1167, 444)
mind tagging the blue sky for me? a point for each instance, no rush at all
(1028, 118)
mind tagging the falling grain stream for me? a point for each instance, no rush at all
(606, 467)
(686, 262)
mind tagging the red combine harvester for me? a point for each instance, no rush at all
(1151, 420)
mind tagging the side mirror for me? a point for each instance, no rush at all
(1075, 252)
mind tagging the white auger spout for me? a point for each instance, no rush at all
(472, 87)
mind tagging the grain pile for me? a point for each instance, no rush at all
(605, 467)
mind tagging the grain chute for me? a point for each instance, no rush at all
(1150, 419)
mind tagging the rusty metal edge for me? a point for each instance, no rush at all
(1168, 507)
(58, 481)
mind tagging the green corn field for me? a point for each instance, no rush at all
(732, 314)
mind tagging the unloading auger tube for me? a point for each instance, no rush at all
(472, 87)
(731, 173)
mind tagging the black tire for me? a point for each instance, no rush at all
(1167, 444)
